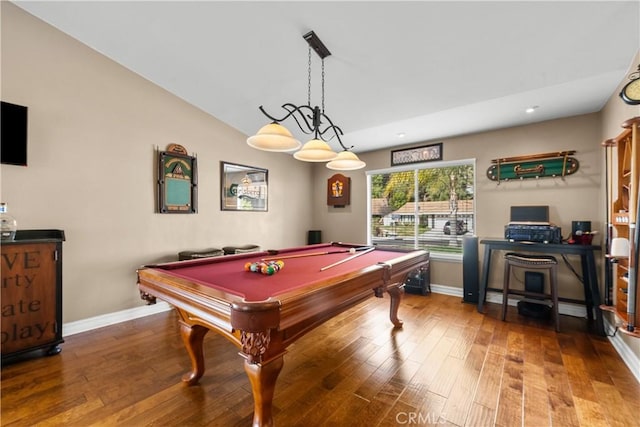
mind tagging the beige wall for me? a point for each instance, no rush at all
(576, 197)
(93, 129)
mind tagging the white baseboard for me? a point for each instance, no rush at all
(568, 309)
(630, 359)
(96, 322)
(447, 290)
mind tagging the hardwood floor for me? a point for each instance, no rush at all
(449, 366)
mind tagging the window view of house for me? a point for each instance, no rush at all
(429, 207)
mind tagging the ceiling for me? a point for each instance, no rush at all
(428, 70)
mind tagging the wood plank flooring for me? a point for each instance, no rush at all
(448, 366)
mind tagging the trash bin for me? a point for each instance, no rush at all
(314, 237)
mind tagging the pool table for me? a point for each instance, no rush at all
(263, 314)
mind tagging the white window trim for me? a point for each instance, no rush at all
(429, 165)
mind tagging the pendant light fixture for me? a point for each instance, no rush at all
(311, 121)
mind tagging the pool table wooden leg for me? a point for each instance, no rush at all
(395, 292)
(193, 338)
(263, 383)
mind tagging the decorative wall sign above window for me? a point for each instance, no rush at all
(177, 181)
(533, 166)
(426, 153)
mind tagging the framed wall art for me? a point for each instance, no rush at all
(243, 188)
(177, 181)
(426, 153)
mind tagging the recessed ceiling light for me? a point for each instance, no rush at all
(401, 134)
(531, 109)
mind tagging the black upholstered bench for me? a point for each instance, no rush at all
(205, 253)
(241, 249)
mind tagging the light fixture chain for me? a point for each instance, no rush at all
(309, 80)
(323, 85)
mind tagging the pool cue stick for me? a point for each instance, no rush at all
(352, 250)
(347, 259)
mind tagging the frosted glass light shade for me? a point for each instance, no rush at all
(315, 150)
(619, 247)
(274, 137)
(346, 161)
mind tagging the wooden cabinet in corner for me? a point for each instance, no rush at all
(31, 297)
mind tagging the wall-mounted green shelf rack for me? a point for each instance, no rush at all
(542, 165)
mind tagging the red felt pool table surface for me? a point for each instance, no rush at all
(228, 273)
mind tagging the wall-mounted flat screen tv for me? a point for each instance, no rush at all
(13, 134)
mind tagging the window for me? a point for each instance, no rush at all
(428, 206)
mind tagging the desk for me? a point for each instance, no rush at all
(263, 315)
(587, 260)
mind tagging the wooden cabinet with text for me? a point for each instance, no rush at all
(31, 274)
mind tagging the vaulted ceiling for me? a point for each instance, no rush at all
(425, 69)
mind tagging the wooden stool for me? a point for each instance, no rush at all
(531, 262)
